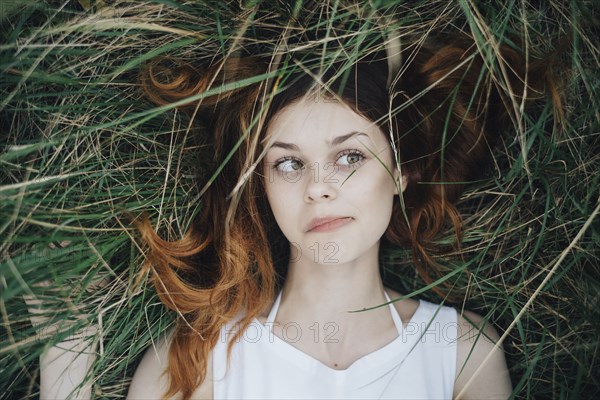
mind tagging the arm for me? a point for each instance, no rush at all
(64, 366)
(150, 380)
(481, 371)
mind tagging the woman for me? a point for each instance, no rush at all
(327, 167)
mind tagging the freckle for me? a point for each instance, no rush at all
(335, 365)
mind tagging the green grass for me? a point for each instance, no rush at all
(81, 147)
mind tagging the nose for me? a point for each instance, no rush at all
(322, 185)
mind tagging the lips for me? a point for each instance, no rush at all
(327, 223)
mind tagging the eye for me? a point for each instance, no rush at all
(288, 164)
(350, 158)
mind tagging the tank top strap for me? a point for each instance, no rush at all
(273, 313)
(395, 316)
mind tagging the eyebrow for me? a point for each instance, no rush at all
(334, 142)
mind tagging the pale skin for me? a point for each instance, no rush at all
(325, 159)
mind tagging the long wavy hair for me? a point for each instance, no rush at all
(443, 110)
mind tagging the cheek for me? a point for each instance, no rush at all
(376, 185)
(273, 200)
(281, 200)
(375, 196)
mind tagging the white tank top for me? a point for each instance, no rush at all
(419, 364)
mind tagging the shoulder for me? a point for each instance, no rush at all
(406, 308)
(481, 370)
(151, 379)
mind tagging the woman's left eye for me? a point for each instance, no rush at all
(350, 158)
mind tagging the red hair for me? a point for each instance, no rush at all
(446, 105)
(214, 271)
(453, 110)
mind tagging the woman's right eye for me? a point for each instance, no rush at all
(288, 164)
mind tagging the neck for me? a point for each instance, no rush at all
(328, 291)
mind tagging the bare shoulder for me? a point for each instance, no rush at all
(151, 381)
(406, 308)
(481, 371)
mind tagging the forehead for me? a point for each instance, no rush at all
(311, 122)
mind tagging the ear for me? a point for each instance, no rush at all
(399, 180)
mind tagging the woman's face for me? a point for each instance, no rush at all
(327, 163)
